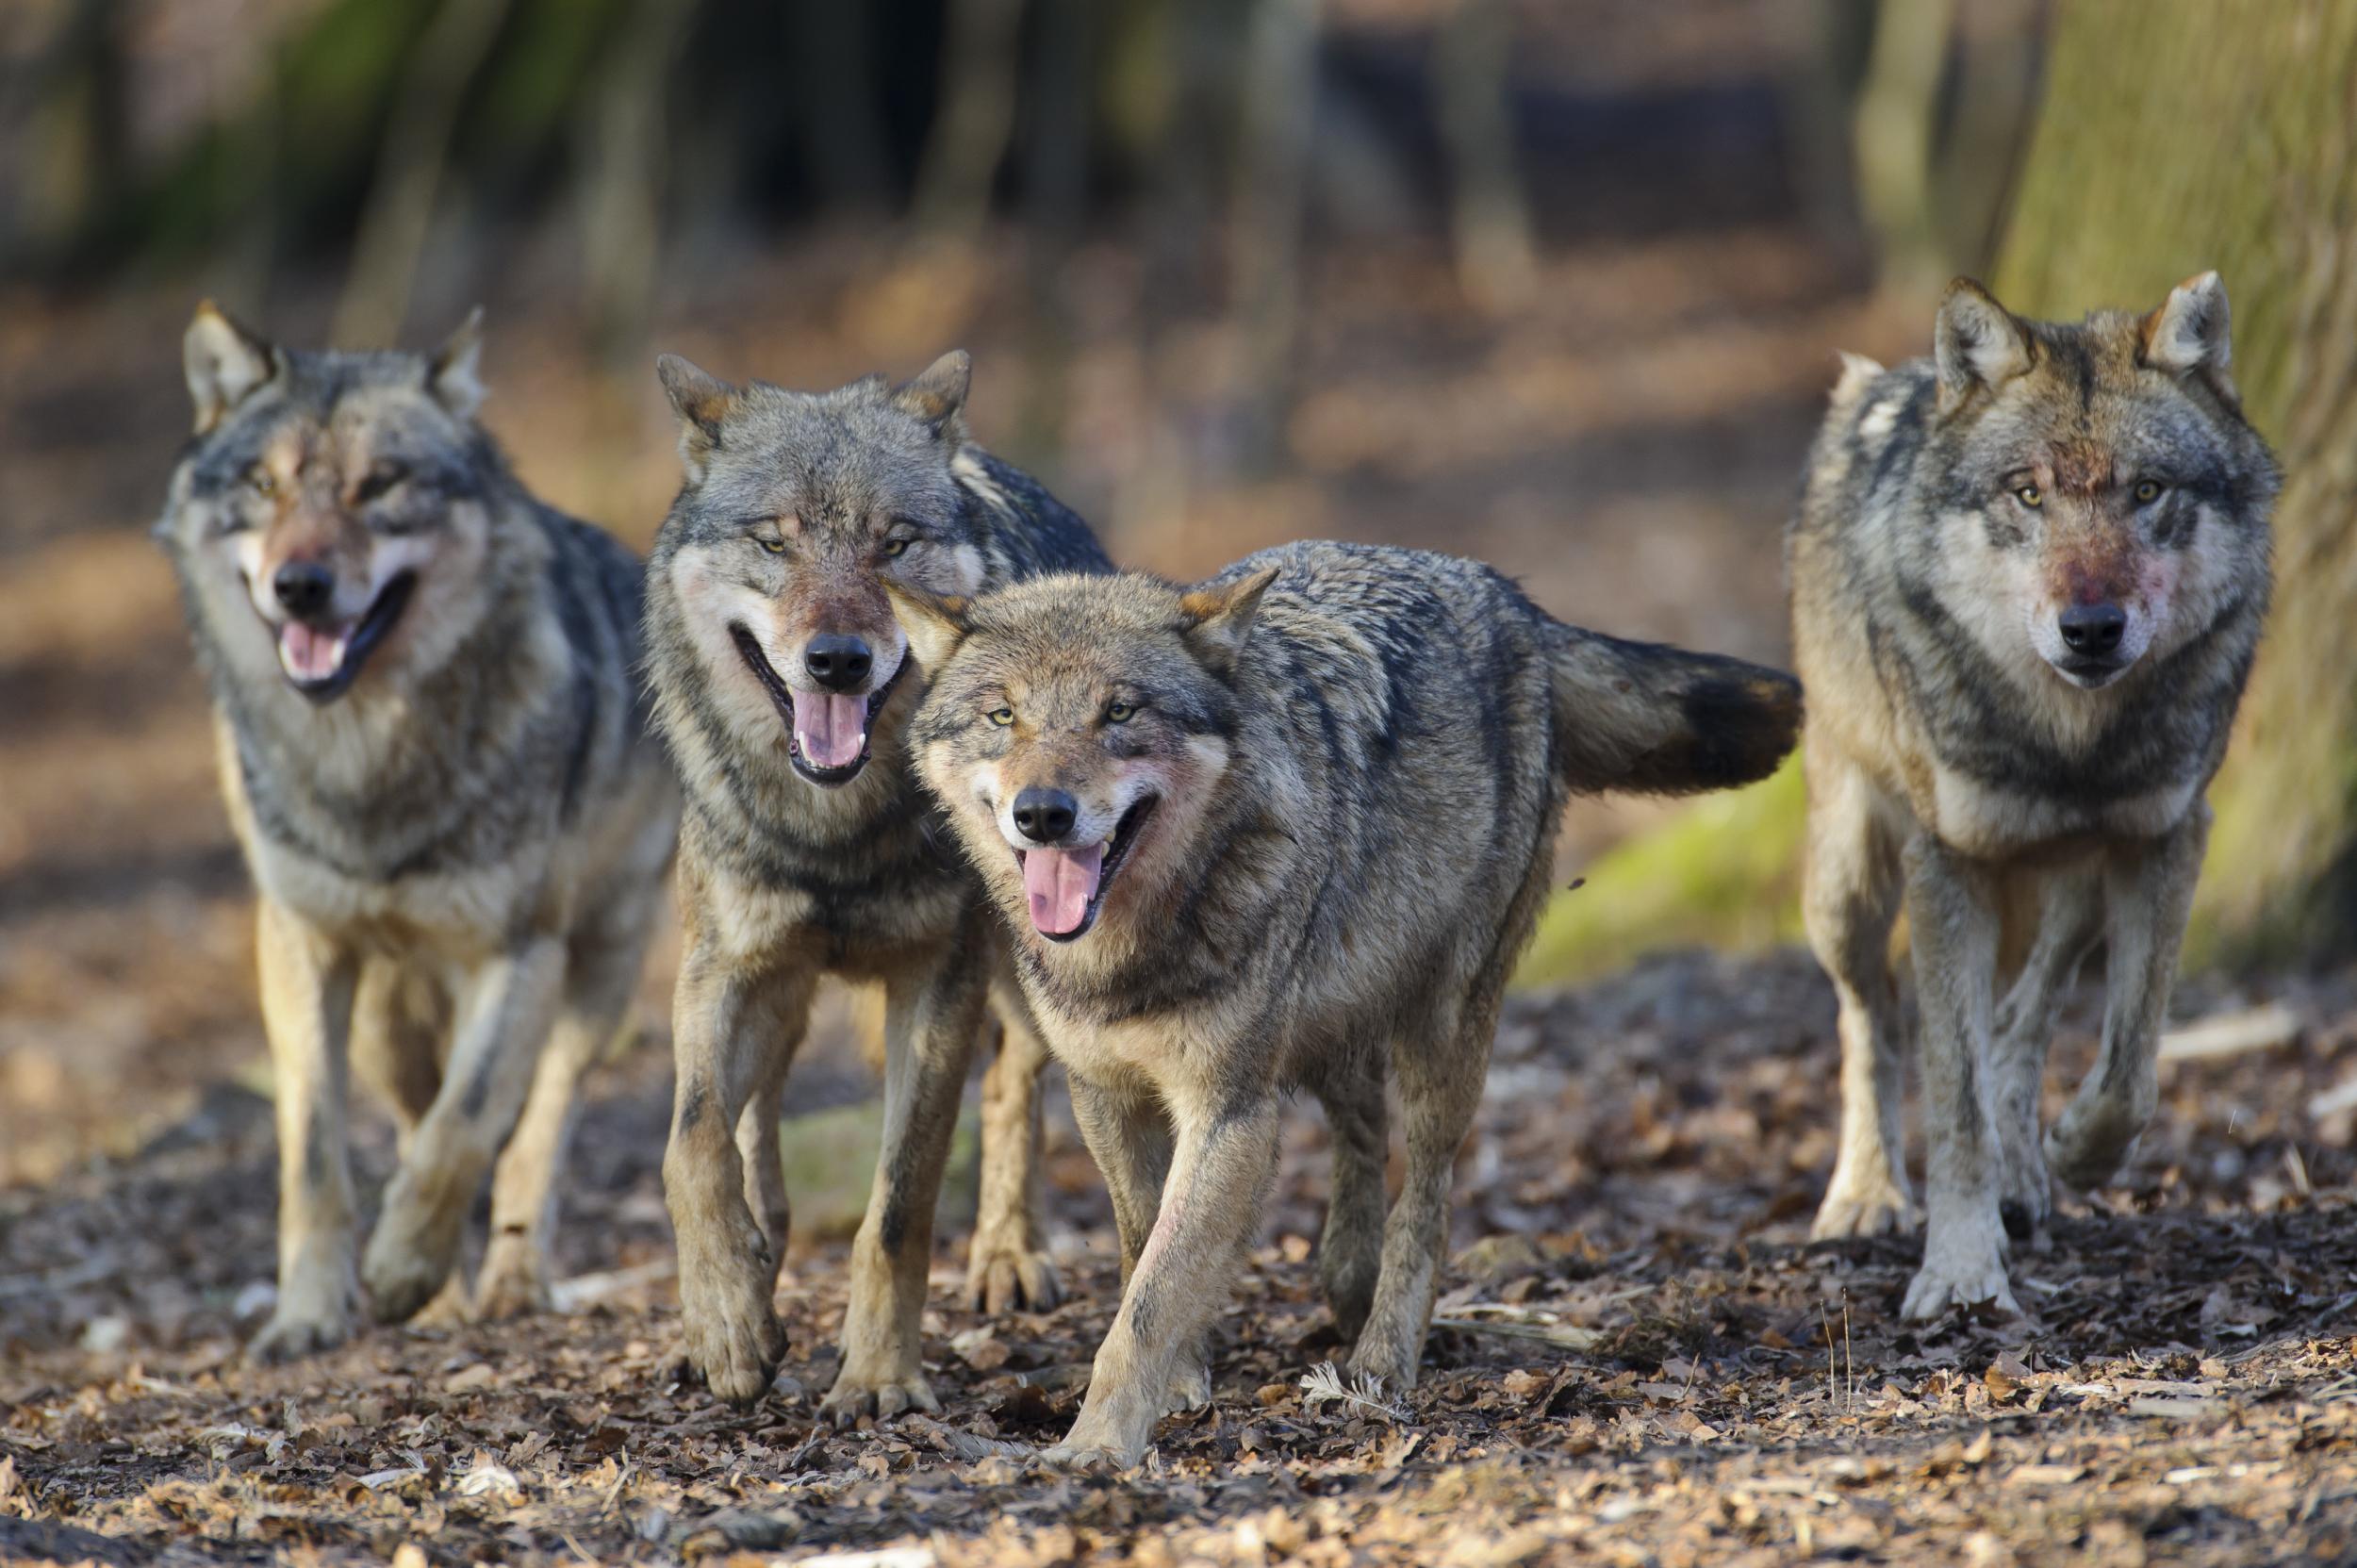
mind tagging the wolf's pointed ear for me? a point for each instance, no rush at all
(1216, 620)
(454, 375)
(1978, 344)
(938, 396)
(2191, 334)
(701, 401)
(935, 622)
(224, 362)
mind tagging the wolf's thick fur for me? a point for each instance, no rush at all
(433, 747)
(1311, 806)
(2027, 576)
(800, 861)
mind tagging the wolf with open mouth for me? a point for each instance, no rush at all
(783, 688)
(432, 740)
(1287, 830)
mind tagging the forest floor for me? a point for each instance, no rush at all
(1704, 1386)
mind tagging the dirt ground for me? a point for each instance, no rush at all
(1640, 1360)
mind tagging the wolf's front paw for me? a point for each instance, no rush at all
(293, 1333)
(1005, 1274)
(514, 1280)
(1967, 1273)
(880, 1392)
(1093, 1446)
(1872, 1206)
(1386, 1364)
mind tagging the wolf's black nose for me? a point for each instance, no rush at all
(303, 587)
(2093, 628)
(838, 662)
(1044, 815)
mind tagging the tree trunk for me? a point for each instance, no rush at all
(2228, 142)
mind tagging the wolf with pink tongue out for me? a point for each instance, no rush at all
(1287, 830)
(783, 687)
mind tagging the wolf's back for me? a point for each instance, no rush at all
(1659, 721)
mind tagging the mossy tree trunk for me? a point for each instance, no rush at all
(2174, 135)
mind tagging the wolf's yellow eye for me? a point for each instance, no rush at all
(775, 547)
(1121, 713)
(2148, 492)
(261, 479)
(896, 548)
(1002, 716)
(2030, 496)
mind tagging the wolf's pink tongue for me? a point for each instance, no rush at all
(1061, 883)
(309, 655)
(830, 730)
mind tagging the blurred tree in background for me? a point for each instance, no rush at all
(2174, 135)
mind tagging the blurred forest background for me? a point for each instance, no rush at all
(1554, 282)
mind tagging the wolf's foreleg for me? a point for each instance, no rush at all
(1225, 1163)
(2148, 891)
(1952, 917)
(1129, 1138)
(930, 1022)
(307, 986)
(2069, 910)
(1008, 1267)
(731, 1031)
(506, 1008)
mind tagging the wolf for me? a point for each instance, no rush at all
(434, 755)
(2027, 576)
(783, 688)
(1287, 830)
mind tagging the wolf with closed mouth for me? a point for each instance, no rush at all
(2027, 576)
(783, 690)
(433, 744)
(1287, 830)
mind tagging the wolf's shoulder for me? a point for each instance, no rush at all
(1022, 528)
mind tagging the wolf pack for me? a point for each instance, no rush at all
(877, 707)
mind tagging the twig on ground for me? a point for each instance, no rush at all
(1518, 1323)
(2233, 1033)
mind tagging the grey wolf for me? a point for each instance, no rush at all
(1288, 830)
(2027, 576)
(783, 688)
(433, 748)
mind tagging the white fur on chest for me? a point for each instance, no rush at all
(1990, 823)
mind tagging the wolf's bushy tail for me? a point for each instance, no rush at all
(1658, 721)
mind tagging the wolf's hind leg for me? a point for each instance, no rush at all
(1953, 918)
(1442, 1067)
(1007, 1266)
(601, 974)
(732, 1031)
(931, 1018)
(307, 988)
(2148, 894)
(506, 1008)
(2069, 909)
(1350, 1247)
(1849, 900)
